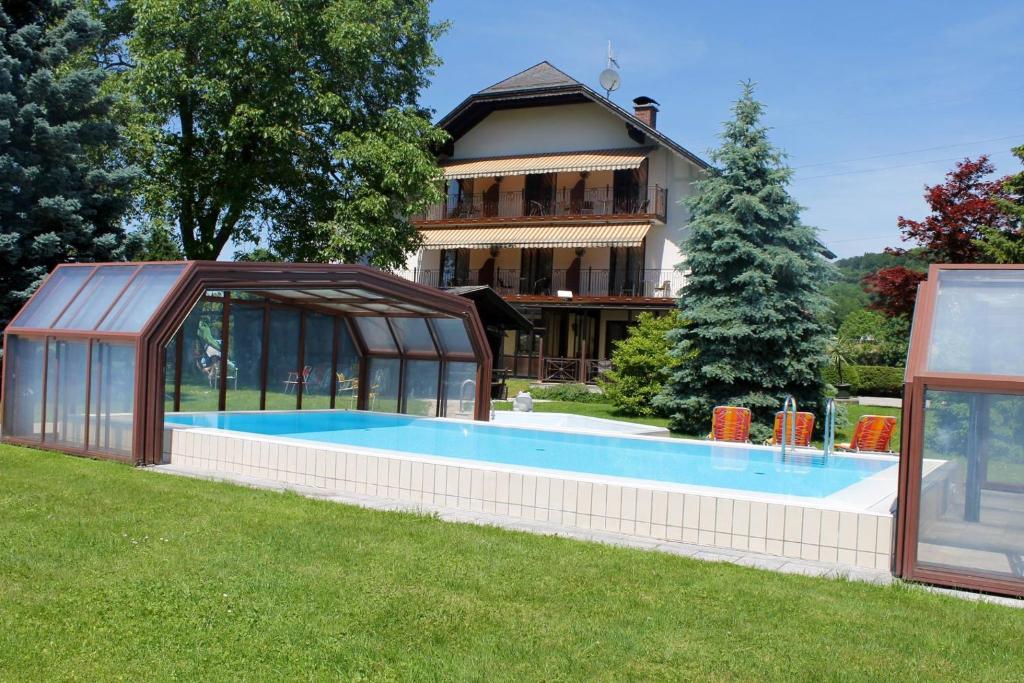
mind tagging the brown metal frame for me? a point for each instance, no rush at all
(917, 382)
(198, 277)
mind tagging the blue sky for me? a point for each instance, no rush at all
(915, 85)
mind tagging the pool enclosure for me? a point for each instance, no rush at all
(97, 356)
(962, 523)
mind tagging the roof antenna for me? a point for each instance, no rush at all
(609, 78)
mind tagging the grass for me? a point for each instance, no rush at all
(608, 411)
(112, 572)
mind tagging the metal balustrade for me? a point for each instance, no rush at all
(561, 203)
(651, 283)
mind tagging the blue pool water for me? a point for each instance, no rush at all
(683, 462)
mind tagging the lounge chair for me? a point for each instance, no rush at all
(293, 380)
(804, 429)
(730, 423)
(872, 433)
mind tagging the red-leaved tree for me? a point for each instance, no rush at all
(961, 209)
(893, 289)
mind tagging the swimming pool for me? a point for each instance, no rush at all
(728, 466)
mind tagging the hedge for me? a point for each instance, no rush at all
(869, 380)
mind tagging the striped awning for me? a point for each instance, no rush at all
(561, 162)
(539, 236)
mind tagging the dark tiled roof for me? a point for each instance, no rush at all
(542, 75)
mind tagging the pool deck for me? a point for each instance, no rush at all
(739, 557)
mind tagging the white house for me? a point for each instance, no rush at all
(568, 206)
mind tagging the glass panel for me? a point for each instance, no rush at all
(55, 295)
(140, 300)
(23, 404)
(976, 313)
(283, 371)
(421, 379)
(316, 394)
(453, 335)
(170, 365)
(460, 390)
(112, 398)
(413, 335)
(347, 372)
(375, 334)
(972, 492)
(383, 374)
(200, 363)
(66, 381)
(95, 298)
(245, 356)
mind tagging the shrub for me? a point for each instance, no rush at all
(640, 364)
(879, 380)
(578, 393)
(851, 375)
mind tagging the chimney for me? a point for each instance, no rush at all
(646, 109)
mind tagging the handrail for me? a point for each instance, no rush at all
(830, 427)
(790, 401)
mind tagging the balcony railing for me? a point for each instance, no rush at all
(582, 282)
(563, 203)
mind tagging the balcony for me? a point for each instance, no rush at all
(596, 202)
(585, 282)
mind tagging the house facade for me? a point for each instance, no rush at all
(566, 205)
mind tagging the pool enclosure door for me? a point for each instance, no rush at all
(961, 495)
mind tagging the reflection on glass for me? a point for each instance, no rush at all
(347, 373)
(23, 404)
(976, 312)
(316, 394)
(972, 492)
(376, 334)
(170, 365)
(283, 371)
(95, 298)
(65, 393)
(141, 298)
(453, 335)
(112, 398)
(421, 380)
(54, 296)
(245, 356)
(460, 390)
(413, 335)
(201, 350)
(383, 391)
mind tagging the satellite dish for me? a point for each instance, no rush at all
(609, 80)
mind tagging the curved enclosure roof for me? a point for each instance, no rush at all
(107, 298)
(96, 356)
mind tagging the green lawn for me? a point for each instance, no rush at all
(112, 572)
(607, 410)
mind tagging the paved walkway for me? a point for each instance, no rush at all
(880, 401)
(740, 557)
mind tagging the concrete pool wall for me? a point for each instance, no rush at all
(826, 530)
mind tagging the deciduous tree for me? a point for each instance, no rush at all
(298, 120)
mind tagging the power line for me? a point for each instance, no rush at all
(887, 168)
(910, 151)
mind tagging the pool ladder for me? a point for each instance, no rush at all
(830, 427)
(788, 424)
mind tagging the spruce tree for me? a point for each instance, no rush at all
(753, 296)
(60, 197)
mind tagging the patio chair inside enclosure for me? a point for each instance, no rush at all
(730, 423)
(804, 429)
(872, 433)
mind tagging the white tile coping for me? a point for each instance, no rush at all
(790, 527)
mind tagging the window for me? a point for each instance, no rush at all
(376, 335)
(141, 298)
(92, 302)
(454, 267)
(413, 335)
(460, 390)
(55, 295)
(383, 377)
(23, 404)
(319, 338)
(421, 384)
(112, 398)
(452, 335)
(535, 271)
(283, 371)
(243, 376)
(66, 379)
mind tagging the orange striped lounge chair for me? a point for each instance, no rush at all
(730, 423)
(872, 433)
(804, 429)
